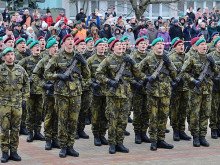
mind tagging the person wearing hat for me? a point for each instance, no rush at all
(128, 44)
(9, 42)
(35, 102)
(165, 35)
(79, 31)
(18, 32)
(200, 99)
(42, 42)
(27, 18)
(175, 30)
(193, 49)
(48, 18)
(158, 93)
(152, 32)
(62, 17)
(20, 50)
(81, 15)
(214, 36)
(15, 77)
(51, 118)
(99, 120)
(180, 96)
(117, 97)
(203, 29)
(68, 96)
(44, 31)
(62, 31)
(89, 47)
(29, 43)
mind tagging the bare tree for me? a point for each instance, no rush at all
(85, 5)
(140, 6)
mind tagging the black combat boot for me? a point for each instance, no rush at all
(176, 136)
(38, 136)
(30, 137)
(48, 145)
(144, 138)
(121, 148)
(196, 142)
(112, 149)
(138, 138)
(4, 157)
(55, 144)
(104, 141)
(62, 153)
(167, 130)
(184, 136)
(203, 141)
(218, 132)
(130, 119)
(23, 131)
(77, 135)
(127, 133)
(14, 156)
(83, 135)
(214, 134)
(153, 146)
(97, 141)
(163, 144)
(87, 121)
(72, 152)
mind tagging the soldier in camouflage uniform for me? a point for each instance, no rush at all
(200, 99)
(14, 89)
(99, 121)
(9, 42)
(158, 92)
(118, 96)
(211, 47)
(141, 114)
(180, 94)
(35, 102)
(68, 91)
(42, 42)
(51, 119)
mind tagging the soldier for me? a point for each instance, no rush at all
(141, 114)
(112, 71)
(200, 101)
(9, 42)
(20, 50)
(89, 47)
(193, 49)
(180, 94)
(14, 91)
(99, 121)
(42, 43)
(128, 44)
(35, 102)
(215, 108)
(210, 45)
(29, 43)
(1, 49)
(68, 91)
(158, 92)
(51, 119)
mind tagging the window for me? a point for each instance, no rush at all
(94, 5)
(218, 5)
(180, 8)
(209, 5)
(121, 8)
(72, 9)
(165, 10)
(111, 4)
(199, 4)
(155, 10)
(130, 11)
(190, 4)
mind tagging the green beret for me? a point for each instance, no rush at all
(78, 22)
(160, 39)
(216, 40)
(1, 38)
(111, 39)
(99, 41)
(145, 37)
(174, 40)
(89, 39)
(51, 43)
(200, 41)
(122, 40)
(7, 50)
(34, 43)
(51, 38)
(125, 38)
(104, 39)
(29, 41)
(20, 40)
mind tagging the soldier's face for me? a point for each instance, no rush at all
(1, 45)
(128, 43)
(123, 44)
(53, 49)
(9, 58)
(21, 47)
(90, 44)
(158, 48)
(194, 47)
(179, 48)
(69, 43)
(202, 48)
(117, 48)
(142, 46)
(42, 43)
(10, 43)
(81, 47)
(36, 49)
(100, 48)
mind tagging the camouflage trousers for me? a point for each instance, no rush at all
(85, 106)
(117, 115)
(215, 111)
(51, 118)
(99, 121)
(34, 113)
(141, 114)
(158, 112)
(10, 118)
(179, 104)
(23, 116)
(200, 111)
(68, 113)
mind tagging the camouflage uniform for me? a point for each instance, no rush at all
(14, 88)
(68, 99)
(211, 46)
(117, 104)
(158, 101)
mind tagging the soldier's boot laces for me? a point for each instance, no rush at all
(203, 141)
(176, 136)
(72, 152)
(138, 138)
(97, 141)
(130, 119)
(121, 148)
(112, 149)
(83, 135)
(38, 136)
(184, 136)
(14, 156)
(55, 144)
(4, 157)
(30, 137)
(23, 131)
(196, 142)
(104, 141)
(77, 135)
(153, 146)
(214, 134)
(145, 138)
(62, 153)
(167, 130)
(126, 133)
(48, 145)
(163, 144)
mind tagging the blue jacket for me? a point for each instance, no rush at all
(98, 21)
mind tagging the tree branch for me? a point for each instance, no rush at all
(162, 1)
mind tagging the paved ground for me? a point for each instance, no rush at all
(183, 153)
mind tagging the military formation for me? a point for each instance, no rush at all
(102, 81)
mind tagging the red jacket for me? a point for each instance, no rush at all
(48, 20)
(59, 17)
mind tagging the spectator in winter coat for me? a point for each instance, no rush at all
(117, 33)
(198, 14)
(130, 34)
(156, 25)
(143, 32)
(48, 18)
(79, 31)
(204, 31)
(160, 20)
(189, 33)
(81, 15)
(213, 28)
(94, 33)
(18, 32)
(44, 31)
(6, 15)
(27, 18)
(62, 17)
(17, 17)
(105, 32)
(191, 14)
(165, 35)
(175, 30)
(31, 34)
(62, 31)
(109, 13)
(152, 32)
(94, 19)
(36, 27)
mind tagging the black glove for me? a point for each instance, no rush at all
(96, 86)
(138, 84)
(62, 77)
(48, 86)
(166, 60)
(149, 79)
(197, 83)
(211, 60)
(80, 58)
(128, 59)
(23, 104)
(112, 83)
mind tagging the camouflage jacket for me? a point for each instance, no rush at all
(1, 60)
(14, 85)
(108, 69)
(211, 47)
(59, 64)
(160, 87)
(44, 53)
(19, 56)
(190, 53)
(192, 69)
